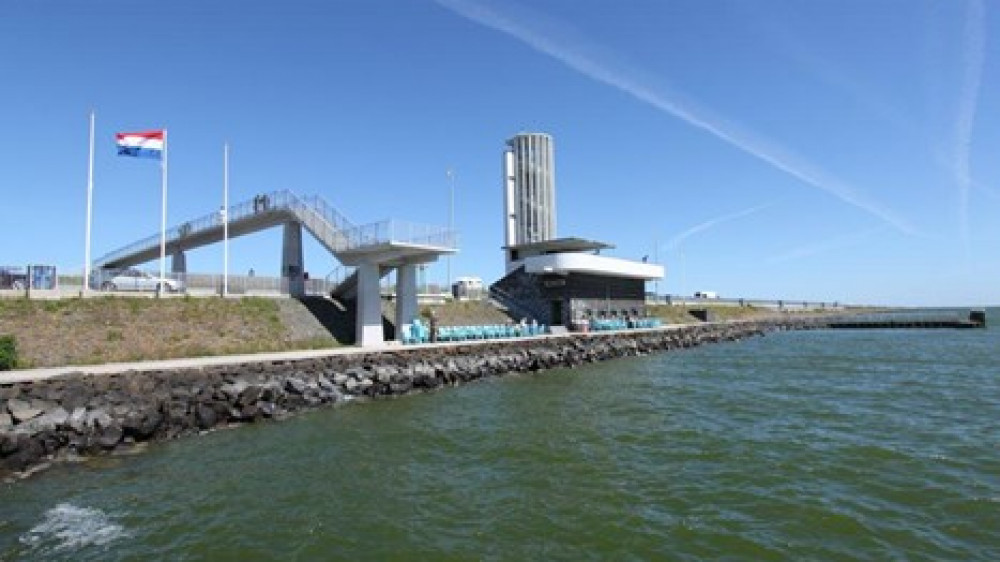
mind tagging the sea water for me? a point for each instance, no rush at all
(825, 445)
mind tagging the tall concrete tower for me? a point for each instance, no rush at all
(529, 191)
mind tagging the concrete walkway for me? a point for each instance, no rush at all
(25, 375)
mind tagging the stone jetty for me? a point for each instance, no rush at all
(80, 414)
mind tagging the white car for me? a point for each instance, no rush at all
(135, 280)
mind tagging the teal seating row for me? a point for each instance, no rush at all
(605, 324)
(419, 332)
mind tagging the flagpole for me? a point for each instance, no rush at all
(90, 198)
(225, 220)
(163, 218)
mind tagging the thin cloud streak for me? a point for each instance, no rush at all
(674, 242)
(837, 243)
(551, 39)
(974, 55)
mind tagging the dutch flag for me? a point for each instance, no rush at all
(144, 144)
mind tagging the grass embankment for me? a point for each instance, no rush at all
(112, 329)
(465, 313)
(675, 314)
(481, 312)
(50, 333)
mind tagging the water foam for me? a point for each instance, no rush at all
(68, 527)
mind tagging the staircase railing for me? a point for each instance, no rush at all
(328, 225)
(517, 306)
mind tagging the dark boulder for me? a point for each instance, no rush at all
(8, 444)
(250, 395)
(141, 426)
(271, 391)
(295, 386)
(267, 409)
(97, 418)
(27, 452)
(250, 412)
(206, 416)
(109, 437)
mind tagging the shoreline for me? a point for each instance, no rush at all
(51, 415)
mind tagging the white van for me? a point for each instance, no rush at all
(706, 295)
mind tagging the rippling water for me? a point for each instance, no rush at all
(872, 445)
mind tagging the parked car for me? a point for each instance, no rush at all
(15, 278)
(135, 280)
(706, 295)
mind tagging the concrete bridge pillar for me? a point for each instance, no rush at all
(406, 297)
(368, 325)
(292, 271)
(178, 263)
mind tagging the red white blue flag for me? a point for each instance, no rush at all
(144, 144)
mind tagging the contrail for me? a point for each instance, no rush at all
(827, 246)
(974, 56)
(676, 240)
(565, 45)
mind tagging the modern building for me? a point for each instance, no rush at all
(557, 281)
(468, 289)
(529, 192)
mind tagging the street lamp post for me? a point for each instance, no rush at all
(225, 220)
(683, 271)
(656, 259)
(451, 217)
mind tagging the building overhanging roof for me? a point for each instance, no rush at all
(570, 262)
(571, 244)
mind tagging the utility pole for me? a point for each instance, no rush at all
(90, 205)
(451, 217)
(225, 220)
(656, 259)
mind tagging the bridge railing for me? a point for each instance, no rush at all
(401, 232)
(780, 304)
(273, 201)
(331, 227)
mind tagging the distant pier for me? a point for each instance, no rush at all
(975, 319)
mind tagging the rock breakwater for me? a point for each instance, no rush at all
(81, 415)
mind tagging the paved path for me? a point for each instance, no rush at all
(7, 377)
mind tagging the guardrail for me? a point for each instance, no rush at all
(201, 284)
(400, 232)
(197, 283)
(779, 304)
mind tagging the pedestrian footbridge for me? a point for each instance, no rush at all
(372, 249)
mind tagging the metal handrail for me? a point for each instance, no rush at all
(267, 202)
(329, 226)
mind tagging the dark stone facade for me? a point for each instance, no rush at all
(579, 295)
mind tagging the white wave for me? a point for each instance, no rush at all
(68, 527)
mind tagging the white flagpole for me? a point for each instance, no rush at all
(225, 220)
(90, 198)
(163, 218)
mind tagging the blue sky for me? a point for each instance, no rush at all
(834, 149)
